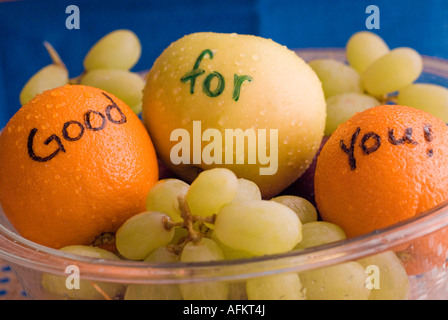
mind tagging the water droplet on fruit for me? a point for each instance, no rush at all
(156, 75)
(223, 120)
(186, 121)
(177, 90)
(255, 57)
(159, 93)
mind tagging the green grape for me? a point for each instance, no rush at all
(125, 85)
(345, 281)
(162, 254)
(143, 233)
(392, 72)
(387, 277)
(68, 286)
(275, 287)
(431, 98)
(336, 77)
(156, 292)
(258, 227)
(317, 233)
(342, 107)
(304, 209)
(363, 48)
(164, 197)
(201, 251)
(91, 252)
(211, 190)
(230, 253)
(49, 77)
(247, 190)
(120, 49)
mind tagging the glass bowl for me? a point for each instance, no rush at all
(106, 279)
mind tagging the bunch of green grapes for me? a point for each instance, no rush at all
(221, 217)
(374, 75)
(107, 66)
(215, 218)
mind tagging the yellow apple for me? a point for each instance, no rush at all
(236, 101)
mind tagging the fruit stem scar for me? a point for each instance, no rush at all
(196, 72)
(350, 151)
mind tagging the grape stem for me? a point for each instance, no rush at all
(55, 58)
(188, 219)
(101, 291)
(169, 224)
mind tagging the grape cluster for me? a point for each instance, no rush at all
(221, 217)
(374, 75)
(107, 66)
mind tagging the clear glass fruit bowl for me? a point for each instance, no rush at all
(106, 279)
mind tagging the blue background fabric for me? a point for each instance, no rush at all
(24, 25)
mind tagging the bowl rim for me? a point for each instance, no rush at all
(23, 253)
(27, 254)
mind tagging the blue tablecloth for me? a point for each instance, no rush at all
(24, 25)
(10, 287)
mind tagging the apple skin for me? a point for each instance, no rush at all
(304, 186)
(284, 94)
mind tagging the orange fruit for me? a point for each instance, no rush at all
(382, 166)
(75, 162)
